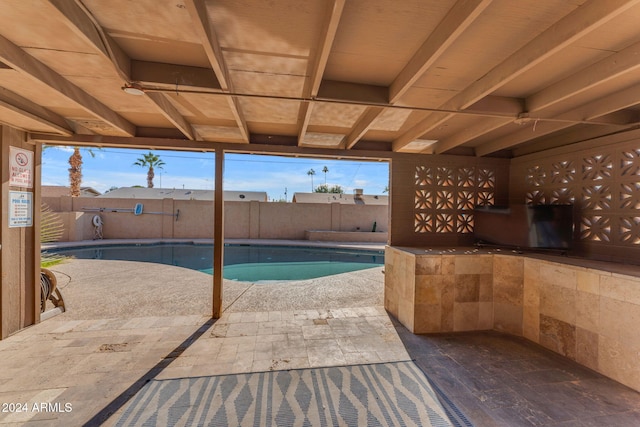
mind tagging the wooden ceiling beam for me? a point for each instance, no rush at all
(563, 33)
(318, 63)
(162, 101)
(625, 98)
(327, 36)
(356, 93)
(610, 109)
(154, 74)
(170, 77)
(576, 135)
(621, 117)
(530, 130)
(600, 108)
(33, 111)
(304, 116)
(361, 127)
(202, 25)
(616, 65)
(208, 146)
(430, 122)
(375, 97)
(492, 105)
(79, 20)
(560, 35)
(364, 123)
(602, 112)
(482, 127)
(21, 61)
(456, 21)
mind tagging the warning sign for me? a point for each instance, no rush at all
(20, 167)
(20, 209)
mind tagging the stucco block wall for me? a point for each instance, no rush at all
(586, 314)
(243, 220)
(288, 221)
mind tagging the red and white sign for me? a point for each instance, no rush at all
(20, 167)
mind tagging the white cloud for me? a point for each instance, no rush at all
(62, 148)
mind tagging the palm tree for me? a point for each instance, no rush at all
(311, 172)
(150, 161)
(325, 170)
(75, 171)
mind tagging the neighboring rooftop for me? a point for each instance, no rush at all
(345, 199)
(183, 194)
(60, 190)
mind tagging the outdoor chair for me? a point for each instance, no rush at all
(49, 291)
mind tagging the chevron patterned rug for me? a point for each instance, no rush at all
(384, 394)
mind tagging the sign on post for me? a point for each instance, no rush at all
(20, 167)
(20, 209)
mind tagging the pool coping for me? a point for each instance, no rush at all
(259, 242)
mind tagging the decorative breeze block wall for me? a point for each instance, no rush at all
(602, 183)
(433, 197)
(446, 196)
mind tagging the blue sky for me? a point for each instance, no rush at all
(113, 167)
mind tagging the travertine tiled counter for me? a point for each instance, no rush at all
(589, 315)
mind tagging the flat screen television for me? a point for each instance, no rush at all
(525, 226)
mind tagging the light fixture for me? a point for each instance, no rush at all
(133, 89)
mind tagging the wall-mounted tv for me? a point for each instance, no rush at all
(525, 226)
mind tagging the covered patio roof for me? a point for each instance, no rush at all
(466, 77)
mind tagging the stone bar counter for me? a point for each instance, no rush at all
(585, 310)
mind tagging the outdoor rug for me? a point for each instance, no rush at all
(384, 394)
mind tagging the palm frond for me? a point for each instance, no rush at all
(51, 225)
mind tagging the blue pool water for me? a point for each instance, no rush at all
(247, 263)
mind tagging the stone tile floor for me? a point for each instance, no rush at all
(502, 380)
(96, 365)
(275, 340)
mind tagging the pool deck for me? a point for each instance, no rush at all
(127, 324)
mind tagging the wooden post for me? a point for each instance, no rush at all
(19, 245)
(218, 235)
(37, 200)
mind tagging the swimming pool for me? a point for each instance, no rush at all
(247, 263)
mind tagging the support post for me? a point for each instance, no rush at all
(19, 241)
(218, 234)
(35, 236)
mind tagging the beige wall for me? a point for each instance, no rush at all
(586, 314)
(243, 220)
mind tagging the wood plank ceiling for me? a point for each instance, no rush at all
(469, 77)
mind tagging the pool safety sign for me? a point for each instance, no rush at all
(20, 167)
(20, 209)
